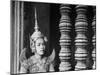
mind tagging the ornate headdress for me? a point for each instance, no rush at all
(37, 34)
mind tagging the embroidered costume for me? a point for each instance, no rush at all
(33, 64)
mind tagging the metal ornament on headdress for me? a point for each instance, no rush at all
(36, 34)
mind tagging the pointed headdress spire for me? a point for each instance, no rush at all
(36, 34)
(36, 23)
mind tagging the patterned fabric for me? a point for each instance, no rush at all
(33, 65)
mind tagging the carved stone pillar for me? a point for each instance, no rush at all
(94, 39)
(65, 40)
(17, 10)
(81, 40)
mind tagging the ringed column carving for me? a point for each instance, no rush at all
(81, 40)
(94, 38)
(65, 39)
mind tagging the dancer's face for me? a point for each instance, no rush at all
(40, 46)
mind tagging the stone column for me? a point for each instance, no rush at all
(16, 35)
(94, 39)
(65, 39)
(81, 40)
